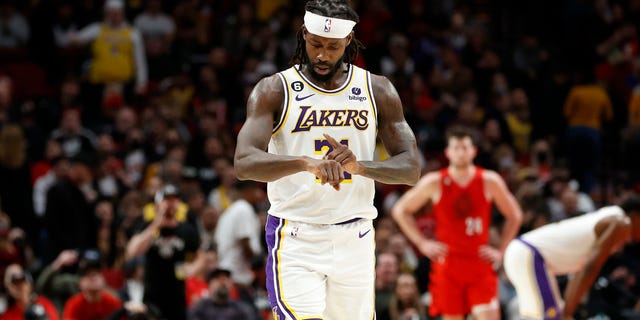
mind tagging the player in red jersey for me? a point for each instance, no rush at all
(462, 280)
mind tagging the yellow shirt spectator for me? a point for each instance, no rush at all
(117, 49)
(587, 105)
(112, 55)
(521, 132)
(634, 108)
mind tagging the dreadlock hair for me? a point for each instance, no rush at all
(340, 9)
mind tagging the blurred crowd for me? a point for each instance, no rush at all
(118, 198)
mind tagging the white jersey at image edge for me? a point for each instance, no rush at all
(566, 245)
(348, 114)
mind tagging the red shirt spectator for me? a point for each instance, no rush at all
(93, 302)
(16, 311)
(197, 288)
(79, 308)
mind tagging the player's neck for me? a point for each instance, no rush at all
(461, 172)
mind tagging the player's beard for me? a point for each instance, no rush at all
(333, 69)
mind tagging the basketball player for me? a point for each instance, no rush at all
(462, 278)
(310, 133)
(578, 246)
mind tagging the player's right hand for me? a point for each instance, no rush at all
(328, 171)
(343, 155)
(434, 250)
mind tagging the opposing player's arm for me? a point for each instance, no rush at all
(402, 166)
(611, 234)
(507, 205)
(410, 202)
(252, 161)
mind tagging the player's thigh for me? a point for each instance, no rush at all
(351, 283)
(536, 287)
(482, 292)
(301, 294)
(447, 287)
(297, 290)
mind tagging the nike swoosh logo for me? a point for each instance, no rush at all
(298, 98)
(361, 235)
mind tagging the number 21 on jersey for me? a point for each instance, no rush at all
(322, 147)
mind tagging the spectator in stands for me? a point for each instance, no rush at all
(69, 219)
(134, 311)
(93, 301)
(519, 121)
(10, 251)
(133, 289)
(631, 136)
(398, 64)
(118, 63)
(207, 226)
(14, 28)
(387, 270)
(154, 24)
(19, 285)
(451, 75)
(59, 171)
(168, 243)
(158, 31)
(557, 186)
(196, 285)
(398, 245)
(405, 302)
(131, 294)
(219, 305)
(222, 196)
(204, 148)
(40, 168)
(15, 188)
(59, 280)
(72, 136)
(64, 25)
(237, 233)
(586, 109)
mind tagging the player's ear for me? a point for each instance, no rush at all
(305, 32)
(349, 38)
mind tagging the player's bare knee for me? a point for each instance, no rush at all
(487, 311)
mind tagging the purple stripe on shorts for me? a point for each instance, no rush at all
(548, 299)
(348, 221)
(272, 236)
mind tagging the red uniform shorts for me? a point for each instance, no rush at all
(459, 283)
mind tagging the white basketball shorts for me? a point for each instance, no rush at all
(320, 271)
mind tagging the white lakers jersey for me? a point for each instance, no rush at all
(349, 115)
(566, 245)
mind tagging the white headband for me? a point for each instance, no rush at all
(327, 27)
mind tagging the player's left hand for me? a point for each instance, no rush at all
(490, 254)
(343, 155)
